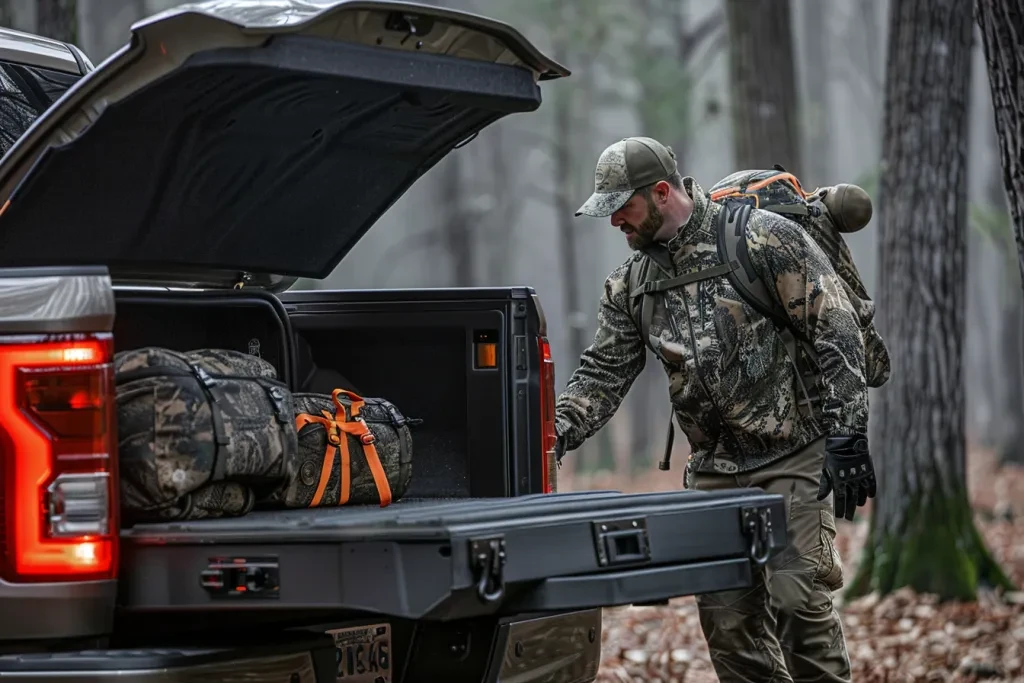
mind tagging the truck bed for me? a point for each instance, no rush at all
(477, 436)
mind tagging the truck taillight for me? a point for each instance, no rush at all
(549, 476)
(58, 457)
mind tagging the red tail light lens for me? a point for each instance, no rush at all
(57, 441)
(549, 477)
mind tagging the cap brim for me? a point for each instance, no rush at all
(603, 204)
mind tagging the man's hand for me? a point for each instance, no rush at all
(559, 449)
(848, 473)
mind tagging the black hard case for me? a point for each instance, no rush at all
(456, 559)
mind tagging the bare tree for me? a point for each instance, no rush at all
(922, 517)
(58, 19)
(764, 99)
(665, 68)
(1006, 355)
(456, 231)
(1010, 436)
(817, 147)
(6, 14)
(1002, 31)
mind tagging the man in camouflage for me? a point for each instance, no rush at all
(731, 385)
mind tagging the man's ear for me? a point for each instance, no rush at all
(662, 191)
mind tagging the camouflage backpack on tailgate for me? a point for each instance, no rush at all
(207, 433)
(352, 451)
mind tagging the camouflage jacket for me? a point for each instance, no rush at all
(731, 382)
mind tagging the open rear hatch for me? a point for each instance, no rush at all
(456, 559)
(254, 143)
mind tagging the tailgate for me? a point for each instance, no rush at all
(456, 559)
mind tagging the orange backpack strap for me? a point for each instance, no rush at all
(358, 428)
(752, 189)
(334, 441)
(336, 425)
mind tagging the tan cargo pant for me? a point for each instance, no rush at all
(785, 627)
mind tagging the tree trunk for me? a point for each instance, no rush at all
(57, 19)
(1011, 417)
(817, 148)
(1009, 356)
(565, 205)
(1002, 30)
(6, 14)
(664, 107)
(502, 213)
(922, 531)
(455, 229)
(764, 99)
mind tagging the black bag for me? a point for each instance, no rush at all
(207, 433)
(352, 451)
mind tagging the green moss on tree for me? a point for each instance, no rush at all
(937, 550)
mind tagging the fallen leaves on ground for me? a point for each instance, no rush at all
(901, 637)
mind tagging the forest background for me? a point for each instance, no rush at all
(921, 104)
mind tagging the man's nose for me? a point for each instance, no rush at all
(617, 219)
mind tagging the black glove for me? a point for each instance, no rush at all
(848, 473)
(559, 449)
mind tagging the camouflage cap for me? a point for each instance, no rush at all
(624, 167)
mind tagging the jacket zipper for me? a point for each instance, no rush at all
(723, 427)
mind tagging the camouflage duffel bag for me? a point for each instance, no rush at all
(352, 451)
(206, 433)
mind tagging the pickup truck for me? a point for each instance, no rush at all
(171, 196)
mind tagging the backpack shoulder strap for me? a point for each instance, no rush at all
(732, 250)
(639, 306)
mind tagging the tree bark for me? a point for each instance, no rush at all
(1002, 31)
(57, 19)
(1011, 416)
(1009, 352)
(764, 99)
(922, 532)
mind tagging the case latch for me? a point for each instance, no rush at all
(487, 560)
(757, 527)
(622, 541)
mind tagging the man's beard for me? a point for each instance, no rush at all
(643, 234)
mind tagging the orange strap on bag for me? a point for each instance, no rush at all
(337, 426)
(754, 187)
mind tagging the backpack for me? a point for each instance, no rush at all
(352, 451)
(207, 433)
(825, 214)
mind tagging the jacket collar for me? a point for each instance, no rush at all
(694, 228)
(696, 231)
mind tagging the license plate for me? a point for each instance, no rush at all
(363, 653)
